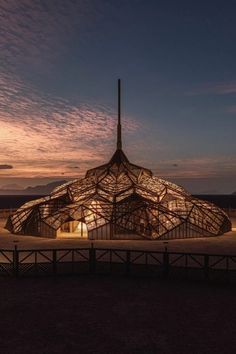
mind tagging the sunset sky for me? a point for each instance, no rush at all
(59, 64)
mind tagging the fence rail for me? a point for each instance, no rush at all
(40, 262)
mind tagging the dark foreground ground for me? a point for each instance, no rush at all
(116, 315)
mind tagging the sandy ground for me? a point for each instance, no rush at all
(225, 244)
(110, 315)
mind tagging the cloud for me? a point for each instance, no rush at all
(231, 109)
(198, 167)
(35, 33)
(42, 134)
(221, 88)
(6, 167)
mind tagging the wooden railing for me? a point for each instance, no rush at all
(92, 260)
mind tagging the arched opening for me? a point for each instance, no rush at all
(73, 228)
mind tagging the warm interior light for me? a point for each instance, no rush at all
(82, 229)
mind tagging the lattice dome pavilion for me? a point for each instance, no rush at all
(119, 200)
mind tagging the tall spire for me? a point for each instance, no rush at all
(119, 142)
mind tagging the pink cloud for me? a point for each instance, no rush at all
(231, 109)
(224, 88)
(42, 135)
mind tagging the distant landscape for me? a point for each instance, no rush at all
(36, 190)
(194, 186)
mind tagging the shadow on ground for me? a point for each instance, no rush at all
(115, 315)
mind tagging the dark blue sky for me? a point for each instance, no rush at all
(59, 64)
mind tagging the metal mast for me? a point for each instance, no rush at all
(119, 141)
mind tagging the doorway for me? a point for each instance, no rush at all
(74, 228)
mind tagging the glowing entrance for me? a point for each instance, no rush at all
(82, 230)
(73, 229)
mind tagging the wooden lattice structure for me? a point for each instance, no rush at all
(119, 200)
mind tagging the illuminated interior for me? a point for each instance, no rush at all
(120, 200)
(82, 230)
(73, 229)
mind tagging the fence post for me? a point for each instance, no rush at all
(206, 266)
(166, 264)
(73, 261)
(16, 262)
(127, 263)
(92, 259)
(54, 261)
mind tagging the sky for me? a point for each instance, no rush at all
(59, 65)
